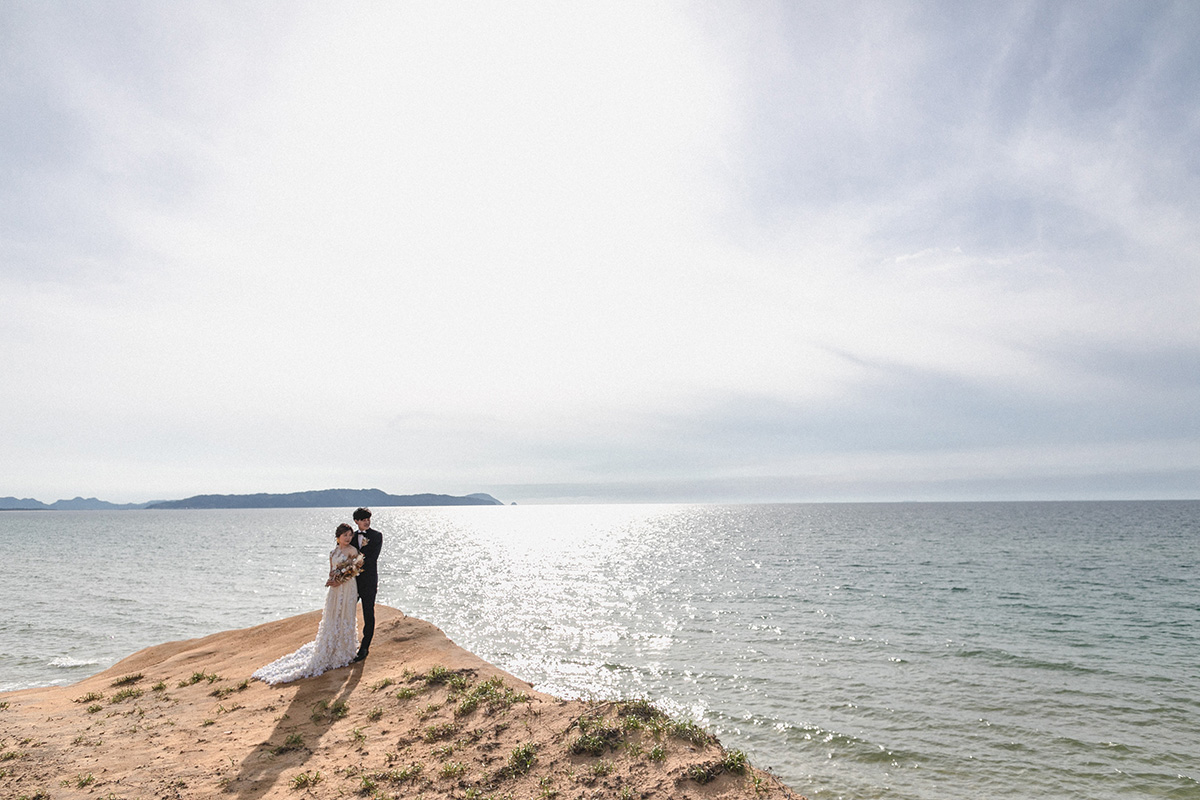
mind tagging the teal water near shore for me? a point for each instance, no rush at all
(930, 651)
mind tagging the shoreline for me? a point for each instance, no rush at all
(420, 717)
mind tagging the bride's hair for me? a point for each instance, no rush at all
(341, 529)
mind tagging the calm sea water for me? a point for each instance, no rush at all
(1001, 650)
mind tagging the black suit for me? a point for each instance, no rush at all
(368, 585)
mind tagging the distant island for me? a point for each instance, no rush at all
(321, 498)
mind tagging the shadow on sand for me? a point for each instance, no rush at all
(261, 769)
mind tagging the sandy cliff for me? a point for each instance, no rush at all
(421, 717)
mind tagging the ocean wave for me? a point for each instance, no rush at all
(66, 662)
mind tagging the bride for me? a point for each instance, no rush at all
(337, 635)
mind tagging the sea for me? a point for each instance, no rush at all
(932, 651)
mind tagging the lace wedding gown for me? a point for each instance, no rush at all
(337, 636)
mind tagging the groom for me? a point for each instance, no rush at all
(370, 542)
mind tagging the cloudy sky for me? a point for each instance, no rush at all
(612, 251)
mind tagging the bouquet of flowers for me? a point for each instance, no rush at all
(345, 570)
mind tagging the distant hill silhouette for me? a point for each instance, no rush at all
(326, 498)
(78, 504)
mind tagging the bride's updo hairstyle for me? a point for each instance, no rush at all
(341, 529)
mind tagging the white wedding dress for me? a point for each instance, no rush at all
(337, 636)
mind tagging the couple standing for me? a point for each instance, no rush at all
(352, 575)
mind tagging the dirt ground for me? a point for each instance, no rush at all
(420, 718)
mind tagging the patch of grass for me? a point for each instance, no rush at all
(306, 780)
(36, 796)
(409, 773)
(83, 740)
(358, 737)
(691, 732)
(704, 773)
(375, 714)
(407, 693)
(90, 697)
(94, 708)
(322, 710)
(428, 711)
(595, 736)
(383, 684)
(4, 706)
(208, 722)
(438, 674)
(128, 679)
(639, 709)
(125, 694)
(520, 760)
(293, 742)
(446, 730)
(197, 677)
(366, 785)
(9, 755)
(546, 788)
(734, 762)
(657, 753)
(453, 769)
(225, 691)
(80, 781)
(492, 693)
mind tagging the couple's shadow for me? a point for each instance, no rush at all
(260, 770)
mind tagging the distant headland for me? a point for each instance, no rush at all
(320, 498)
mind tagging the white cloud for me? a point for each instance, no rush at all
(570, 244)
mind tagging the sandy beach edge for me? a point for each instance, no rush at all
(422, 717)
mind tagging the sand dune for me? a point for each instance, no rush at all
(421, 717)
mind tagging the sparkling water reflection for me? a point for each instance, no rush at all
(919, 650)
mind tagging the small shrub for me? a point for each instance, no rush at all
(125, 694)
(197, 677)
(306, 780)
(639, 709)
(704, 773)
(691, 732)
(438, 674)
(293, 742)
(520, 760)
(90, 697)
(595, 737)
(734, 762)
(452, 769)
(411, 772)
(94, 708)
(128, 679)
(444, 731)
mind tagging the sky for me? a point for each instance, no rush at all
(609, 252)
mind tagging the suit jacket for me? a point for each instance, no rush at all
(369, 577)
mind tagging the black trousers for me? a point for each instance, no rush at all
(367, 593)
